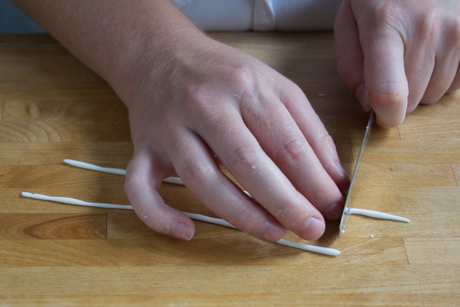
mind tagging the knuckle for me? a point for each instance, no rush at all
(243, 218)
(198, 98)
(389, 94)
(281, 213)
(388, 14)
(244, 160)
(428, 27)
(195, 173)
(292, 151)
(243, 78)
(327, 142)
(320, 193)
(288, 211)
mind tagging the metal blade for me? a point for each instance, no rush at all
(343, 221)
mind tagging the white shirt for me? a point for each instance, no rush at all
(260, 15)
(221, 15)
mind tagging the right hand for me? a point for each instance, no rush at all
(207, 99)
(395, 55)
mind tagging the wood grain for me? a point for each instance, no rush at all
(52, 226)
(53, 108)
(114, 154)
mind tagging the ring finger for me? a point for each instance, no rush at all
(200, 172)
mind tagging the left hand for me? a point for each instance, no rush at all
(396, 54)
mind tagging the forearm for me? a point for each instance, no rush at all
(190, 97)
(115, 38)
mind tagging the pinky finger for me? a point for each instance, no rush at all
(143, 178)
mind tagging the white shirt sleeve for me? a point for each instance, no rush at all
(260, 15)
(295, 15)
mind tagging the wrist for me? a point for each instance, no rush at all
(151, 59)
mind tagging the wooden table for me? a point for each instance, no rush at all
(53, 108)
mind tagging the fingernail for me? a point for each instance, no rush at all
(312, 229)
(182, 231)
(272, 231)
(346, 184)
(333, 212)
(363, 96)
(341, 170)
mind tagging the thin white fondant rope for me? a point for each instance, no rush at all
(73, 201)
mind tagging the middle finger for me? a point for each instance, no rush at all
(254, 170)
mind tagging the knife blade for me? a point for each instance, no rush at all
(347, 206)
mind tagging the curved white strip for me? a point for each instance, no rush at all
(208, 219)
(119, 171)
(316, 249)
(175, 180)
(110, 170)
(74, 201)
(212, 220)
(377, 214)
(247, 193)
